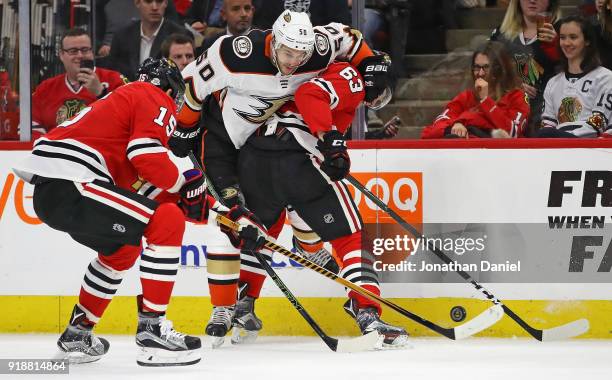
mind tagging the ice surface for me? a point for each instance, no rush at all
(297, 358)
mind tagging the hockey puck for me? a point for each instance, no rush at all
(458, 313)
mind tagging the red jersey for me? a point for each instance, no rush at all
(55, 101)
(121, 139)
(329, 101)
(510, 114)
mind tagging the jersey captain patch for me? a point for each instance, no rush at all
(261, 113)
(242, 46)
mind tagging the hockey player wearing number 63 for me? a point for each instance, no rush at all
(299, 157)
(85, 175)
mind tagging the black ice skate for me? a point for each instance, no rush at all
(219, 324)
(246, 324)
(160, 345)
(78, 344)
(322, 257)
(368, 320)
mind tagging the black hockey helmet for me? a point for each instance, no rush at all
(166, 75)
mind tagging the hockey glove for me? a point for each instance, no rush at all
(243, 239)
(232, 196)
(336, 163)
(193, 195)
(378, 80)
(183, 140)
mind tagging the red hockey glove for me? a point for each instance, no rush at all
(245, 239)
(336, 163)
(193, 195)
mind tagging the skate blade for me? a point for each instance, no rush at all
(158, 357)
(217, 341)
(75, 357)
(399, 343)
(242, 336)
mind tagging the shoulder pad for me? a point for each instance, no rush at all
(246, 53)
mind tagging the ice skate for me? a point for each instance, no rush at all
(368, 320)
(160, 345)
(219, 324)
(246, 324)
(78, 344)
(322, 257)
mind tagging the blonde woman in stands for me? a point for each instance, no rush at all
(527, 32)
(496, 106)
(578, 100)
(604, 18)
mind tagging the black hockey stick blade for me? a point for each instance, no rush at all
(568, 330)
(475, 325)
(362, 343)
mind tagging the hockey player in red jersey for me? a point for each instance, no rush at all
(299, 158)
(85, 175)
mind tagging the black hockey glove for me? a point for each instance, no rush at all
(377, 76)
(193, 195)
(336, 163)
(232, 196)
(245, 239)
(183, 140)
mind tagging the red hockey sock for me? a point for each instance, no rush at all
(357, 268)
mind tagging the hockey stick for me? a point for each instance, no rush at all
(475, 325)
(569, 330)
(362, 343)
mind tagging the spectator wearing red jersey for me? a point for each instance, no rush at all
(58, 99)
(496, 106)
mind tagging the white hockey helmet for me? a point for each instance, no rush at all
(293, 30)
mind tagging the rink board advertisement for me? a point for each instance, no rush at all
(542, 217)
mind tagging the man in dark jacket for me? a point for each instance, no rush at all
(141, 39)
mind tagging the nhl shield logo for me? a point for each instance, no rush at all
(328, 218)
(243, 46)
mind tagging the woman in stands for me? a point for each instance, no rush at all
(578, 100)
(496, 106)
(533, 48)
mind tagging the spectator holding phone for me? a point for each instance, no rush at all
(63, 96)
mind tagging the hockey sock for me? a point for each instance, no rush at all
(251, 271)
(102, 279)
(307, 239)
(357, 268)
(160, 259)
(223, 271)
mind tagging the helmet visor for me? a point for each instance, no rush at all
(381, 100)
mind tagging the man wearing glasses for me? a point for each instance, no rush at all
(59, 98)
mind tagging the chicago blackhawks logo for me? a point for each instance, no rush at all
(529, 70)
(266, 108)
(321, 43)
(67, 110)
(569, 110)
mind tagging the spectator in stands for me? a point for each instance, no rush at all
(179, 48)
(534, 49)
(63, 96)
(238, 18)
(112, 15)
(322, 12)
(142, 39)
(496, 106)
(204, 16)
(578, 101)
(604, 17)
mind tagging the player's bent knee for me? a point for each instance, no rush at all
(166, 226)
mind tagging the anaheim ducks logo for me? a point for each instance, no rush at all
(67, 110)
(569, 110)
(263, 112)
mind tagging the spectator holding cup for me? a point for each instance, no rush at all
(528, 33)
